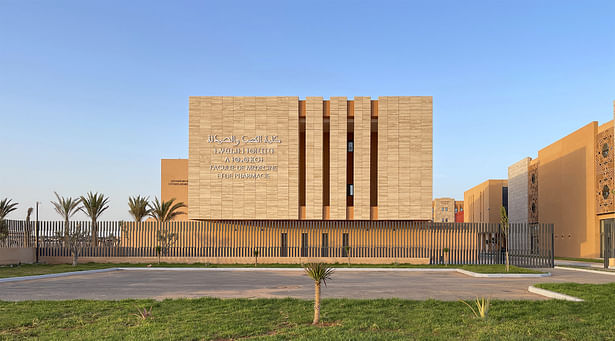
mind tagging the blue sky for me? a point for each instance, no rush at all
(94, 93)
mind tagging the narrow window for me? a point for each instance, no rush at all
(345, 245)
(304, 245)
(350, 146)
(324, 252)
(284, 245)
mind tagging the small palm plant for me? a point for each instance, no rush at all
(319, 273)
(94, 205)
(6, 206)
(164, 211)
(445, 251)
(255, 252)
(138, 207)
(347, 249)
(144, 313)
(66, 208)
(482, 307)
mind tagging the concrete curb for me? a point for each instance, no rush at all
(295, 269)
(60, 274)
(86, 272)
(553, 294)
(464, 272)
(586, 270)
(504, 275)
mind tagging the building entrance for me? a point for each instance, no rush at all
(607, 237)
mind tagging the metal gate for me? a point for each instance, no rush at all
(607, 232)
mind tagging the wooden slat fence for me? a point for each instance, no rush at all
(530, 245)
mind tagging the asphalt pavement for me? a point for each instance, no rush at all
(160, 284)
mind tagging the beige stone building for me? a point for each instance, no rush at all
(445, 210)
(285, 158)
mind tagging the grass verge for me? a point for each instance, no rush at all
(42, 269)
(587, 260)
(343, 319)
(586, 268)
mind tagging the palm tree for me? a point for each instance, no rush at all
(138, 207)
(6, 207)
(504, 222)
(28, 229)
(66, 208)
(93, 205)
(164, 211)
(320, 273)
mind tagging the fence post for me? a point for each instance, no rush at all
(37, 232)
(552, 246)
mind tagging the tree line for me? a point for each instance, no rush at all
(93, 205)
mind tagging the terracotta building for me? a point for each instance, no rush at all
(569, 184)
(483, 203)
(459, 212)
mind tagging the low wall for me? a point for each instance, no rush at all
(233, 260)
(17, 255)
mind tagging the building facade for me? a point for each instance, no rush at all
(569, 184)
(459, 211)
(447, 210)
(283, 159)
(483, 203)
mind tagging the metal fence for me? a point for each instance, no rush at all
(607, 241)
(529, 245)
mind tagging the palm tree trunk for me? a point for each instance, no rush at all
(66, 231)
(75, 256)
(316, 303)
(94, 233)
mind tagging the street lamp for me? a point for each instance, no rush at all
(37, 232)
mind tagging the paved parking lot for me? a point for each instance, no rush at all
(255, 284)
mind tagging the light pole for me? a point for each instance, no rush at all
(37, 232)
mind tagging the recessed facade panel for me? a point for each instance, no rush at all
(280, 158)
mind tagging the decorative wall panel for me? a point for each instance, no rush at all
(605, 184)
(532, 190)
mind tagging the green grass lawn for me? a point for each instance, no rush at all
(343, 319)
(588, 260)
(41, 269)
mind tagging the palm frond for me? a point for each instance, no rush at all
(164, 211)
(94, 204)
(319, 272)
(66, 207)
(7, 206)
(138, 207)
(482, 307)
